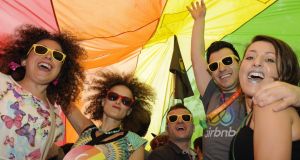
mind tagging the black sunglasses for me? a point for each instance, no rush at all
(184, 117)
(226, 61)
(41, 50)
(113, 96)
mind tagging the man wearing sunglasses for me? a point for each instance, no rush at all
(217, 80)
(180, 128)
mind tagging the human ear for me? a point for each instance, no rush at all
(167, 127)
(102, 102)
(193, 128)
(23, 63)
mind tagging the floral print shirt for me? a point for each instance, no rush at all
(25, 122)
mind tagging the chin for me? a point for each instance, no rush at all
(249, 93)
(249, 90)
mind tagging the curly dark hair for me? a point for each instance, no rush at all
(71, 75)
(159, 140)
(139, 119)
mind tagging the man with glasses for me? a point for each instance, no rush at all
(180, 129)
(217, 81)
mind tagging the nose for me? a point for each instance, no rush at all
(48, 55)
(180, 120)
(221, 66)
(257, 62)
(119, 100)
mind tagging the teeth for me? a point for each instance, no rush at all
(224, 76)
(45, 65)
(256, 75)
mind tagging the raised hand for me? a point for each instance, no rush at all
(197, 11)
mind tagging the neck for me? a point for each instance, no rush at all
(230, 90)
(39, 91)
(183, 145)
(109, 123)
(248, 103)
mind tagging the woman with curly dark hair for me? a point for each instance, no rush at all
(122, 103)
(40, 71)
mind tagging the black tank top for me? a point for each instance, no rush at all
(242, 145)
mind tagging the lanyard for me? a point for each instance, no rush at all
(222, 107)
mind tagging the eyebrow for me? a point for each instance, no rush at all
(268, 52)
(120, 94)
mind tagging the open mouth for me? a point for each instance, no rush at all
(45, 66)
(180, 128)
(225, 75)
(256, 76)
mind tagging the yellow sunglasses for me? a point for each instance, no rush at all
(228, 60)
(185, 117)
(41, 50)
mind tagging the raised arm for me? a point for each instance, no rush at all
(272, 133)
(199, 63)
(78, 121)
(286, 94)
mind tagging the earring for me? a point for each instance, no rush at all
(23, 63)
(128, 112)
(55, 82)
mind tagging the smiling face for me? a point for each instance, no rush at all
(180, 130)
(225, 76)
(258, 68)
(42, 68)
(114, 107)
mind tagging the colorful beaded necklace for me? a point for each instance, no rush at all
(113, 131)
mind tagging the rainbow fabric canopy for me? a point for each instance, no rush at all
(138, 35)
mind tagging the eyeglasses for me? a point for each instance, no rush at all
(184, 117)
(41, 50)
(112, 96)
(228, 60)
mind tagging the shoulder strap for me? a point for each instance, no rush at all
(93, 126)
(50, 138)
(248, 119)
